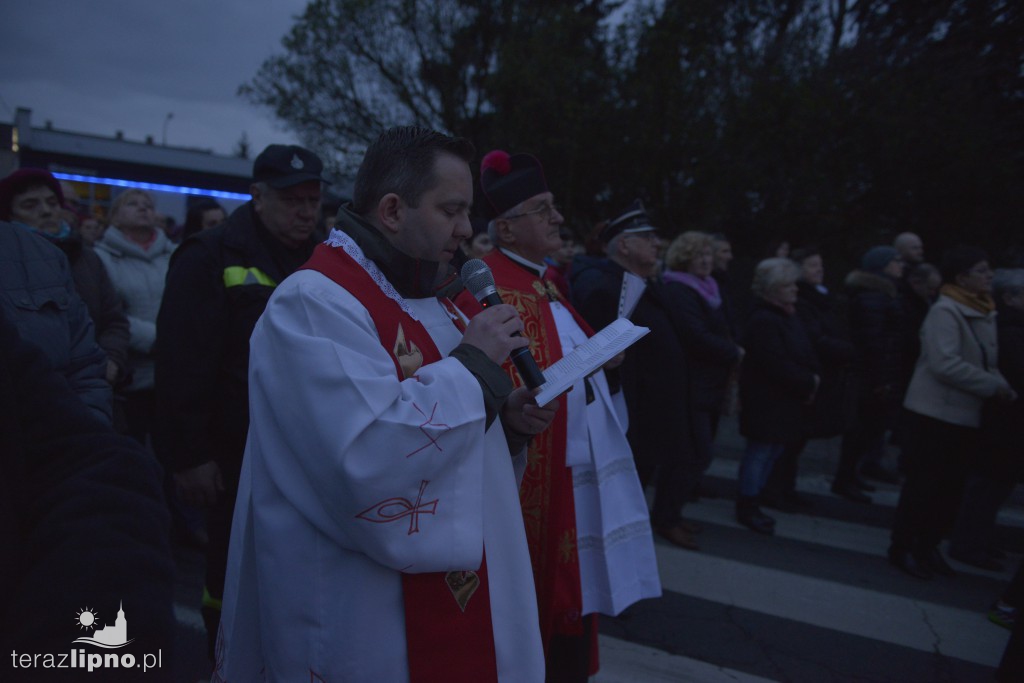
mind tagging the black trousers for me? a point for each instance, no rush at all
(938, 456)
(679, 472)
(865, 440)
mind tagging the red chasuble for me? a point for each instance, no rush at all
(549, 512)
(448, 631)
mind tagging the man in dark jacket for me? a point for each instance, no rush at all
(83, 530)
(652, 377)
(218, 284)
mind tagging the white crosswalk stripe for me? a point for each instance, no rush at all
(841, 607)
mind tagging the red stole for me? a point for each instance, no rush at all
(449, 636)
(549, 511)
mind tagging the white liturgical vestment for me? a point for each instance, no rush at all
(314, 588)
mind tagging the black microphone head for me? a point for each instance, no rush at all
(477, 277)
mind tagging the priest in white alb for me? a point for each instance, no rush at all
(378, 534)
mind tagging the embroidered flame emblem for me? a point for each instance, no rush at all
(462, 586)
(410, 358)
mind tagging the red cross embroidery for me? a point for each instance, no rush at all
(432, 441)
(393, 509)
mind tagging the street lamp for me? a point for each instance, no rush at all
(167, 120)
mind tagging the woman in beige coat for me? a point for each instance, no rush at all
(955, 374)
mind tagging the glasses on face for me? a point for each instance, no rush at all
(546, 212)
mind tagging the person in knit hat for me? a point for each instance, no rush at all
(570, 520)
(879, 332)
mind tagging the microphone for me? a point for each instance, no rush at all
(480, 282)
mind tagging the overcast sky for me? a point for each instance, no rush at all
(100, 66)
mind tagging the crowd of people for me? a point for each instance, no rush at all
(320, 405)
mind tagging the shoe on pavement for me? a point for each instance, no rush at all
(755, 520)
(851, 493)
(908, 564)
(679, 536)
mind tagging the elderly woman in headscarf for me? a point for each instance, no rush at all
(957, 371)
(779, 380)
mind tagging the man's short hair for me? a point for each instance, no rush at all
(401, 161)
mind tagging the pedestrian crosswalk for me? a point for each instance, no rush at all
(815, 602)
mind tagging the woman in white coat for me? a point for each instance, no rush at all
(956, 372)
(136, 254)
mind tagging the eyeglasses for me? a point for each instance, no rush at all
(545, 212)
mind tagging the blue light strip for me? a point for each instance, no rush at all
(156, 187)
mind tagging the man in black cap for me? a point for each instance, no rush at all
(653, 386)
(218, 284)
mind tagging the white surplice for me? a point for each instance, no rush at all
(618, 566)
(313, 588)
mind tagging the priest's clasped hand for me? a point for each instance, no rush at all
(492, 329)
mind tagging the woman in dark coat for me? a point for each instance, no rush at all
(832, 409)
(779, 380)
(878, 327)
(711, 353)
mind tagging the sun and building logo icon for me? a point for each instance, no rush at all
(107, 636)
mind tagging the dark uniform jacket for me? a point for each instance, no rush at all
(653, 375)
(218, 285)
